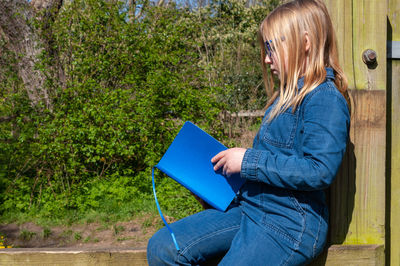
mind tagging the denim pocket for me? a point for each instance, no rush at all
(284, 215)
(281, 131)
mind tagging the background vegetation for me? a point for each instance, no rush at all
(121, 83)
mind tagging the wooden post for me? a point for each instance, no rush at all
(341, 12)
(358, 194)
(394, 116)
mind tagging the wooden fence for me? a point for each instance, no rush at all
(364, 204)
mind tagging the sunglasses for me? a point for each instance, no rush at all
(268, 49)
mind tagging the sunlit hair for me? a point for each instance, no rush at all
(286, 27)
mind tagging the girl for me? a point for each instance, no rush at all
(280, 216)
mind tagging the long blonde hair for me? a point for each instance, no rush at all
(286, 27)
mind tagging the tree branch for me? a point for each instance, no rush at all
(7, 118)
(160, 2)
(131, 9)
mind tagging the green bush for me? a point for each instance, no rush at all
(127, 87)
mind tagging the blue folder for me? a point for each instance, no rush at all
(188, 161)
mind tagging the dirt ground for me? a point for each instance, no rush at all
(132, 234)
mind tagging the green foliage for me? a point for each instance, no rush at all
(121, 89)
(118, 229)
(46, 233)
(26, 235)
(77, 236)
(230, 51)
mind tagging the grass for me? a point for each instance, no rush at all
(147, 222)
(111, 212)
(26, 235)
(73, 227)
(77, 236)
(120, 239)
(67, 233)
(91, 239)
(103, 227)
(118, 229)
(106, 215)
(46, 233)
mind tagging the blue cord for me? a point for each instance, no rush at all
(159, 211)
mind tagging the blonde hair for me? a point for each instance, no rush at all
(286, 27)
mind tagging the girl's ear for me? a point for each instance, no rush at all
(307, 44)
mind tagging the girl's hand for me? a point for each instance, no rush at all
(230, 160)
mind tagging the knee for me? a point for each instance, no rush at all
(161, 250)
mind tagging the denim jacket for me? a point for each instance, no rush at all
(293, 159)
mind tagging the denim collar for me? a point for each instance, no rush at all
(329, 75)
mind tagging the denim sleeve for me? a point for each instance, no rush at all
(326, 127)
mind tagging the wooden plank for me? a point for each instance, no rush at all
(341, 14)
(395, 166)
(394, 140)
(357, 197)
(358, 194)
(246, 113)
(73, 257)
(369, 32)
(336, 255)
(351, 255)
(360, 25)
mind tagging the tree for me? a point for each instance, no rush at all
(26, 42)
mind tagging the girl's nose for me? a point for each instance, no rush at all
(267, 60)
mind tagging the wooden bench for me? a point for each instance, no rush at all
(365, 255)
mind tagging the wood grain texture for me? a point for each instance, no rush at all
(76, 257)
(341, 12)
(357, 197)
(369, 32)
(351, 255)
(395, 166)
(394, 115)
(361, 25)
(366, 255)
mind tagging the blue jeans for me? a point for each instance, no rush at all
(238, 238)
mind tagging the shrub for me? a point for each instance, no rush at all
(126, 88)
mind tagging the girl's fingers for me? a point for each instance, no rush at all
(225, 170)
(219, 164)
(218, 157)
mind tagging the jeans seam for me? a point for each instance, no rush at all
(288, 237)
(296, 246)
(283, 233)
(182, 253)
